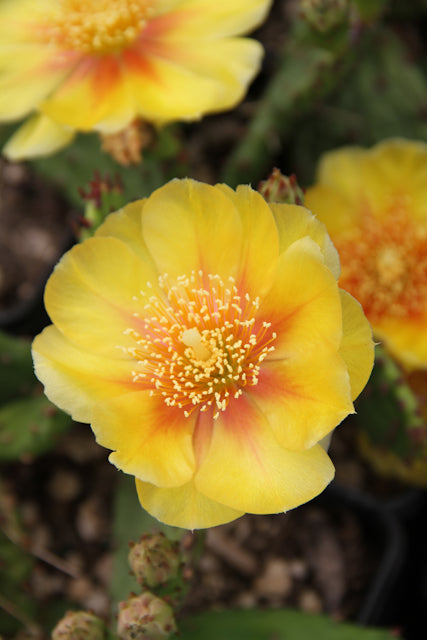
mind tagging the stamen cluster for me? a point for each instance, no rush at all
(384, 265)
(200, 344)
(96, 27)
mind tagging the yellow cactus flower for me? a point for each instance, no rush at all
(203, 335)
(81, 65)
(373, 203)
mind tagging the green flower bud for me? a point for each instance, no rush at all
(145, 617)
(79, 625)
(154, 559)
(324, 15)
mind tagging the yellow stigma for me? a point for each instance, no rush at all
(96, 26)
(193, 339)
(200, 344)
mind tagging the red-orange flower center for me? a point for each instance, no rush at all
(200, 344)
(384, 265)
(95, 26)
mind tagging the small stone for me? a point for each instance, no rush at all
(90, 521)
(64, 485)
(310, 602)
(275, 580)
(246, 600)
(298, 568)
(103, 569)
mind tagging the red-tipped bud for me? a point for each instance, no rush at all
(280, 188)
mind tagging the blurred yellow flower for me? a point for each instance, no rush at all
(203, 335)
(100, 64)
(373, 203)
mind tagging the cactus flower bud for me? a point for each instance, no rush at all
(79, 625)
(145, 617)
(280, 188)
(154, 559)
(324, 15)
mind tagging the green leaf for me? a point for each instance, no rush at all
(269, 625)
(29, 426)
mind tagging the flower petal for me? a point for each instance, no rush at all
(304, 398)
(218, 19)
(295, 222)
(27, 77)
(246, 469)
(394, 171)
(153, 442)
(354, 181)
(165, 90)
(405, 339)
(303, 304)
(100, 88)
(74, 379)
(179, 222)
(357, 348)
(126, 225)
(258, 257)
(92, 295)
(173, 81)
(38, 136)
(324, 201)
(340, 170)
(183, 506)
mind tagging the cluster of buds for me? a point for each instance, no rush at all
(156, 562)
(281, 189)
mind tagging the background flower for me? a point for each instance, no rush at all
(98, 65)
(203, 335)
(373, 204)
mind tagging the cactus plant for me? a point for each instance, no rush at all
(392, 428)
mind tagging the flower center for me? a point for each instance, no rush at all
(96, 26)
(384, 265)
(200, 344)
